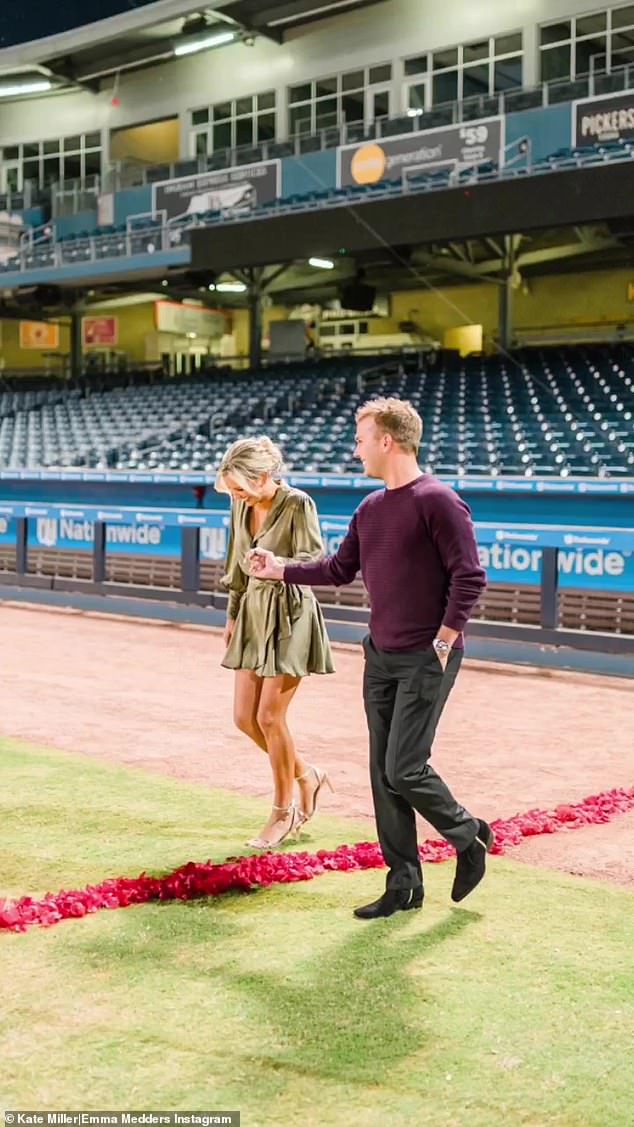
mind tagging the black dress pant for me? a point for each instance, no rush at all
(404, 694)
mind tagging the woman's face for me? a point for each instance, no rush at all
(250, 496)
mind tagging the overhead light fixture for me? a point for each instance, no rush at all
(321, 263)
(211, 287)
(39, 87)
(414, 113)
(231, 287)
(190, 47)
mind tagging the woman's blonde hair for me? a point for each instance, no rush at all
(247, 460)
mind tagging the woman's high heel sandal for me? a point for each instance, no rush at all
(295, 822)
(322, 777)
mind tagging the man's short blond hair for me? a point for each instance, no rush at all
(397, 418)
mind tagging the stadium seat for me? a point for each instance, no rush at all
(558, 412)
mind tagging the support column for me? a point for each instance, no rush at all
(505, 328)
(21, 545)
(76, 357)
(549, 610)
(99, 553)
(255, 326)
(190, 560)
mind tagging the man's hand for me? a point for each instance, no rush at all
(228, 631)
(447, 635)
(264, 565)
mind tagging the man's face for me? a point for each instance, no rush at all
(372, 447)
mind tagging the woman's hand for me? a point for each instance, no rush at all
(264, 564)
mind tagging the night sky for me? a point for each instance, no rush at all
(32, 19)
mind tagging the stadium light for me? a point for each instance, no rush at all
(321, 263)
(230, 287)
(26, 88)
(191, 46)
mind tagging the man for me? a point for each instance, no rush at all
(415, 545)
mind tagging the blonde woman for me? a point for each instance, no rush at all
(275, 634)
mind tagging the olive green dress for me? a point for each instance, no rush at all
(279, 627)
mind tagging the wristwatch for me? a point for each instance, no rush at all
(441, 647)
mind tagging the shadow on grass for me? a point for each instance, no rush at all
(351, 1011)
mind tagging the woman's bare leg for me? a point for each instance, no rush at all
(276, 695)
(246, 702)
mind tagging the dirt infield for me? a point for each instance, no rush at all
(156, 696)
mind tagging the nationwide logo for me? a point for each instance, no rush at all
(148, 518)
(183, 519)
(105, 516)
(516, 537)
(72, 514)
(599, 487)
(328, 526)
(33, 511)
(47, 531)
(514, 486)
(592, 541)
(213, 543)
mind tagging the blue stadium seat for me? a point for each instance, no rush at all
(565, 412)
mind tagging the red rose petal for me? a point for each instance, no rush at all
(261, 870)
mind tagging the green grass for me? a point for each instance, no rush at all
(512, 1010)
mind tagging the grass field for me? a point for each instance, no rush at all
(516, 1008)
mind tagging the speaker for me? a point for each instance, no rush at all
(358, 296)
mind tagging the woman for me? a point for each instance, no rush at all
(275, 634)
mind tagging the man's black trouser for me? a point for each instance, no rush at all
(404, 694)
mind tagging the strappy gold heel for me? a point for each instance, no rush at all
(322, 778)
(264, 845)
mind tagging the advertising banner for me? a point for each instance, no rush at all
(234, 191)
(595, 559)
(387, 157)
(100, 331)
(609, 118)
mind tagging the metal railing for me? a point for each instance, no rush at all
(76, 195)
(72, 196)
(620, 79)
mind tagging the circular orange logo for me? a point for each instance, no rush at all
(368, 164)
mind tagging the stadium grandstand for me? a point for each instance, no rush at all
(222, 220)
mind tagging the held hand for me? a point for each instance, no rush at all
(264, 565)
(228, 631)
